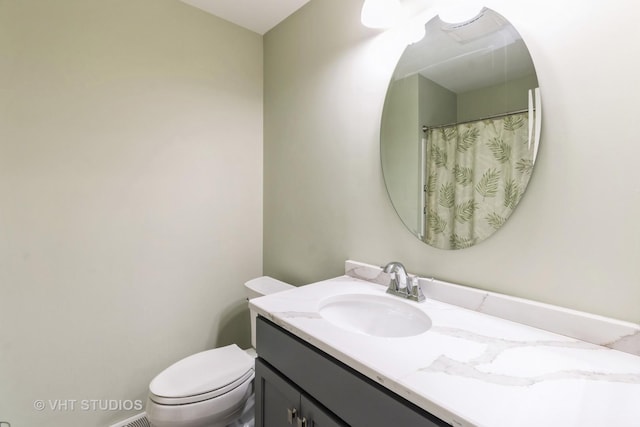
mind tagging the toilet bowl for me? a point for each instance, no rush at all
(213, 388)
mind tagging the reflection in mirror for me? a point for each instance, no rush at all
(460, 130)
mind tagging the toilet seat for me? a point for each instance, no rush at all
(202, 376)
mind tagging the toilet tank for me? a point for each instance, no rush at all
(258, 287)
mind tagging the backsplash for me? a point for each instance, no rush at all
(600, 330)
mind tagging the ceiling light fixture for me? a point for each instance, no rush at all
(381, 13)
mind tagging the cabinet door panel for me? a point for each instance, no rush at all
(274, 399)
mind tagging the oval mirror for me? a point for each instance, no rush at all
(460, 130)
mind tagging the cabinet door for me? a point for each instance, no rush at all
(277, 401)
(281, 404)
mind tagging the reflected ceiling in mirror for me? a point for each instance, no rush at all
(460, 130)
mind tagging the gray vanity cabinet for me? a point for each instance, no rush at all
(292, 375)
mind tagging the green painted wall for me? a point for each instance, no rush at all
(572, 241)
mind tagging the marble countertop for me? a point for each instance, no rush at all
(470, 368)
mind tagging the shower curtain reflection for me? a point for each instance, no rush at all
(477, 173)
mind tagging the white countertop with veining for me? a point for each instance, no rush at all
(470, 368)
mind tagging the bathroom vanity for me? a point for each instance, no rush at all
(463, 367)
(296, 384)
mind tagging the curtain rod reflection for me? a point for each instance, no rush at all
(427, 128)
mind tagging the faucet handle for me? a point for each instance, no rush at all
(416, 291)
(393, 283)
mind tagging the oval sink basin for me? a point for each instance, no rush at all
(374, 315)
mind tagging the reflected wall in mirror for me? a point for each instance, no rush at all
(460, 130)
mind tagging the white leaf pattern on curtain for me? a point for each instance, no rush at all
(477, 174)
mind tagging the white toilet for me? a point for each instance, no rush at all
(213, 388)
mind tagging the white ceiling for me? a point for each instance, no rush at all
(256, 15)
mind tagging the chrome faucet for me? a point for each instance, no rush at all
(402, 284)
(398, 277)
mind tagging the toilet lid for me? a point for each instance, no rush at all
(202, 372)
